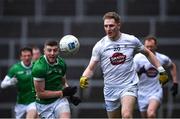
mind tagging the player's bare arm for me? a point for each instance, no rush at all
(163, 77)
(44, 94)
(173, 71)
(151, 57)
(88, 73)
(90, 69)
(7, 81)
(64, 80)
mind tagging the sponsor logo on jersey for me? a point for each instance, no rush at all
(117, 58)
(151, 72)
(54, 71)
(49, 72)
(20, 72)
(131, 91)
(28, 72)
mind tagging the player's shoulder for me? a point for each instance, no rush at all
(161, 56)
(40, 62)
(101, 43)
(128, 37)
(39, 66)
(16, 65)
(102, 40)
(61, 60)
(139, 56)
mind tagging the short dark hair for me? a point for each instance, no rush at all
(151, 38)
(25, 49)
(112, 15)
(51, 43)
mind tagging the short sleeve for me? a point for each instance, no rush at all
(12, 71)
(96, 52)
(38, 71)
(136, 64)
(139, 45)
(167, 61)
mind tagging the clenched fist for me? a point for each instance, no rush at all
(83, 82)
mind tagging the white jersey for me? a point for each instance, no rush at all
(149, 75)
(116, 58)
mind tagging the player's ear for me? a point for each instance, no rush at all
(155, 48)
(119, 26)
(20, 57)
(44, 50)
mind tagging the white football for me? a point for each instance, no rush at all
(69, 44)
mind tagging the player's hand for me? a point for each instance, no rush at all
(174, 89)
(69, 91)
(75, 100)
(83, 82)
(163, 76)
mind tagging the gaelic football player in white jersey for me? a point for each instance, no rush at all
(149, 89)
(115, 53)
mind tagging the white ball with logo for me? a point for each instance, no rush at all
(69, 44)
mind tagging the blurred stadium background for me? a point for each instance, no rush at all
(31, 22)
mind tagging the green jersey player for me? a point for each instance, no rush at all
(20, 75)
(50, 84)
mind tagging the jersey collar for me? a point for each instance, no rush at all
(49, 63)
(27, 67)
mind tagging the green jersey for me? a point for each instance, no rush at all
(25, 95)
(52, 74)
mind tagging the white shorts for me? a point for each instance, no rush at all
(21, 109)
(113, 95)
(145, 97)
(54, 109)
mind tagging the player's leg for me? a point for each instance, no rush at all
(154, 103)
(143, 100)
(62, 109)
(45, 110)
(144, 114)
(152, 108)
(114, 114)
(31, 111)
(20, 111)
(143, 105)
(65, 115)
(31, 114)
(113, 108)
(128, 100)
(128, 104)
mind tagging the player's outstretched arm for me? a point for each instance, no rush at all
(174, 88)
(7, 81)
(88, 73)
(163, 77)
(83, 82)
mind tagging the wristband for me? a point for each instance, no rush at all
(160, 69)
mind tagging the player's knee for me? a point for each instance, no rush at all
(151, 114)
(126, 114)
